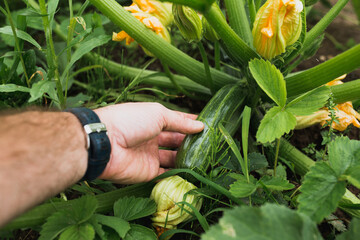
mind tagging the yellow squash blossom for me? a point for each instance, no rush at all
(149, 21)
(163, 11)
(277, 25)
(344, 113)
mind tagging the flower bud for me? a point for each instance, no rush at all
(209, 32)
(167, 193)
(188, 22)
(163, 11)
(277, 25)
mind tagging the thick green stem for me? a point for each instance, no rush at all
(131, 72)
(238, 19)
(356, 5)
(252, 11)
(167, 53)
(172, 79)
(51, 56)
(348, 91)
(199, 5)
(149, 77)
(302, 165)
(38, 215)
(345, 62)
(320, 27)
(241, 52)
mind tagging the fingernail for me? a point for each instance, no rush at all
(199, 124)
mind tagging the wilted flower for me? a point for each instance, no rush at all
(344, 112)
(189, 22)
(277, 25)
(163, 11)
(149, 21)
(168, 195)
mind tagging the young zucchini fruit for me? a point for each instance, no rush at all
(225, 107)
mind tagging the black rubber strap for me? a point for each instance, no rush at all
(100, 147)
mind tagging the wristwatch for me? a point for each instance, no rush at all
(99, 147)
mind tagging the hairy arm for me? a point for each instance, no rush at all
(41, 153)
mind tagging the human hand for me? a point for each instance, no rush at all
(136, 130)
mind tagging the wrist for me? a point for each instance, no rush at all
(82, 140)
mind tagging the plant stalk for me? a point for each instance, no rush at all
(241, 52)
(163, 50)
(131, 72)
(304, 81)
(238, 19)
(320, 27)
(252, 11)
(325, 21)
(51, 56)
(348, 91)
(206, 66)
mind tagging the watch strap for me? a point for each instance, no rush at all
(99, 147)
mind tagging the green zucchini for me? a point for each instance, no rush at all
(225, 107)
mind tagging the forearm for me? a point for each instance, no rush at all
(41, 153)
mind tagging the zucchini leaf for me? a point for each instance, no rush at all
(275, 123)
(320, 192)
(131, 208)
(270, 79)
(309, 102)
(266, 222)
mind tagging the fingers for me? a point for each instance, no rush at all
(167, 158)
(181, 122)
(170, 139)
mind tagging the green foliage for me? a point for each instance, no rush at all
(270, 80)
(20, 34)
(275, 123)
(276, 183)
(130, 208)
(242, 188)
(325, 183)
(140, 232)
(119, 225)
(78, 232)
(281, 119)
(72, 218)
(309, 102)
(266, 222)
(353, 233)
(321, 192)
